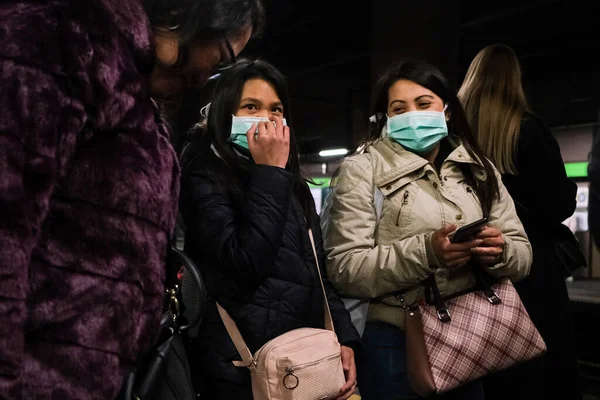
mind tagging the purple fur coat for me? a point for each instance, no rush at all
(88, 196)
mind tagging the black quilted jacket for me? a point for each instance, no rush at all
(250, 240)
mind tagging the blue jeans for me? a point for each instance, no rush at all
(385, 369)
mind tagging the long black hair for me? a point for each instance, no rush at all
(206, 19)
(430, 77)
(225, 101)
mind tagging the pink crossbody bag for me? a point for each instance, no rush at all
(302, 364)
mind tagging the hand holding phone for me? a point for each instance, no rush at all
(490, 251)
(453, 255)
(468, 231)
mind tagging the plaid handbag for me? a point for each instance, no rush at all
(454, 341)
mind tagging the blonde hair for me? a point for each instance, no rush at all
(494, 102)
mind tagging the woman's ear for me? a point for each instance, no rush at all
(446, 112)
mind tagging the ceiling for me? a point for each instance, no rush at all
(325, 49)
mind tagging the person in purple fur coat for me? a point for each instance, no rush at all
(89, 181)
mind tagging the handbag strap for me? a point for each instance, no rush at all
(483, 283)
(193, 283)
(235, 335)
(326, 309)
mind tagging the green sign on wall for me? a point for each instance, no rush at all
(577, 169)
(320, 183)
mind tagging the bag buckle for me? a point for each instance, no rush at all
(493, 298)
(173, 303)
(443, 315)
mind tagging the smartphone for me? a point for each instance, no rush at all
(467, 232)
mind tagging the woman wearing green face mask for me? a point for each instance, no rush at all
(247, 210)
(422, 158)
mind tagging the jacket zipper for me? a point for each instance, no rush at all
(404, 201)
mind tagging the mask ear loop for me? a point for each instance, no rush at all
(383, 131)
(446, 117)
(204, 111)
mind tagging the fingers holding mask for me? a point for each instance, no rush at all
(278, 130)
(251, 135)
(269, 145)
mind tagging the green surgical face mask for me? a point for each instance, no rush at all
(418, 131)
(241, 125)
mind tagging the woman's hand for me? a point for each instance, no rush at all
(491, 248)
(269, 143)
(350, 371)
(452, 255)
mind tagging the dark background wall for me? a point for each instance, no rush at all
(332, 50)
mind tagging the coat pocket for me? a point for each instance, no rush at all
(403, 203)
(396, 218)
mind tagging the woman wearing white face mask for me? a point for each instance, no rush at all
(247, 210)
(421, 156)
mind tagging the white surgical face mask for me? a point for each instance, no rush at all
(241, 125)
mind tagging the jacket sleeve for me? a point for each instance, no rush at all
(552, 197)
(356, 265)
(242, 239)
(34, 126)
(344, 328)
(515, 263)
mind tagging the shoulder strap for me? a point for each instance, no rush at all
(377, 194)
(237, 339)
(326, 310)
(235, 335)
(378, 198)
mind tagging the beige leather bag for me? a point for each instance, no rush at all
(302, 364)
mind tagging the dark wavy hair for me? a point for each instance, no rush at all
(226, 98)
(206, 19)
(430, 77)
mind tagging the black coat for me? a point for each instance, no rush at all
(542, 184)
(594, 196)
(543, 187)
(250, 239)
